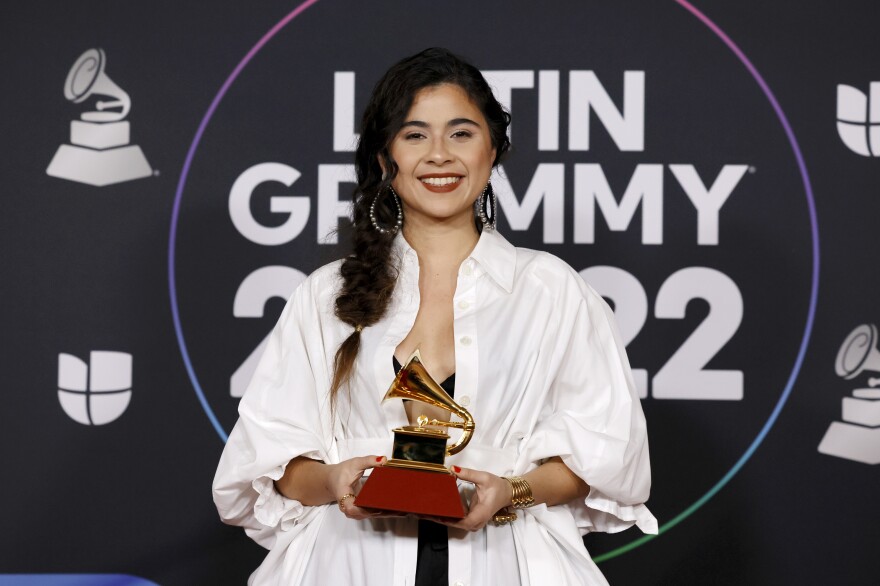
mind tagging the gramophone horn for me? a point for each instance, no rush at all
(86, 78)
(858, 352)
(413, 382)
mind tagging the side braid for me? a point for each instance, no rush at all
(368, 283)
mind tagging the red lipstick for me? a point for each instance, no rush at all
(438, 185)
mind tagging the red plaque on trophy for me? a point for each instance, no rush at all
(415, 479)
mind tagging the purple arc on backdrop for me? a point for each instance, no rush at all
(811, 312)
(178, 196)
(814, 286)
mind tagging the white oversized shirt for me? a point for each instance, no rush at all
(539, 365)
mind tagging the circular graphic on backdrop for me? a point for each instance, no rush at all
(729, 144)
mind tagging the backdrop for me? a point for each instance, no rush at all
(173, 170)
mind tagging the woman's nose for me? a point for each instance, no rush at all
(440, 152)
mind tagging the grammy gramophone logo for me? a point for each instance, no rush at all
(857, 437)
(99, 153)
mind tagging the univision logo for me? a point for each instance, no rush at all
(97, 392)
(858, 119)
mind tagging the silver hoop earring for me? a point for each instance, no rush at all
(397, 225)
(488, 207)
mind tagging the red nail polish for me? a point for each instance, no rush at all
(457, 469)
(379, 459)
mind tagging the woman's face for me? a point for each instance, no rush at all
(444, 155)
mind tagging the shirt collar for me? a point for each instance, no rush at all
(401, 248)
(497, 257)
(493, 253)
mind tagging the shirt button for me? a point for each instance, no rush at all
(465, 341)
(463, 304)
(464, 401)
(467, 271)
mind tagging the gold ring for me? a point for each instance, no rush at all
(341, 501)
(502, 518)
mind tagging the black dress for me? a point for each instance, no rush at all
(432, 567)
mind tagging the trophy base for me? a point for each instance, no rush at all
(399, 490)
(853, 442)
(99, 167)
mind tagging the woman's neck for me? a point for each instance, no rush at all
(441, 244)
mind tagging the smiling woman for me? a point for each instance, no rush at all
(515, 334)
(444, 147)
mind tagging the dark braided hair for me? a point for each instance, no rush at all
(368, 273)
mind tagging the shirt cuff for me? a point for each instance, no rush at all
(273, 508)
(608, 515)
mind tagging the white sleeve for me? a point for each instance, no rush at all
(593, 420)
(281, 416)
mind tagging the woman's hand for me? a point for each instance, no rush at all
(492, 493)
(341, 482)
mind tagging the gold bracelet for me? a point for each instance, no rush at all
(521, 496)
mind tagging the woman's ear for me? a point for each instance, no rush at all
(388, 166)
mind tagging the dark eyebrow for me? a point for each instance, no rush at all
(459, 121)
(453, 122)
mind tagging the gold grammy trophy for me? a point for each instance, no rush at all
(415, 478)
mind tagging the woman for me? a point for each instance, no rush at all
(533, 350)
